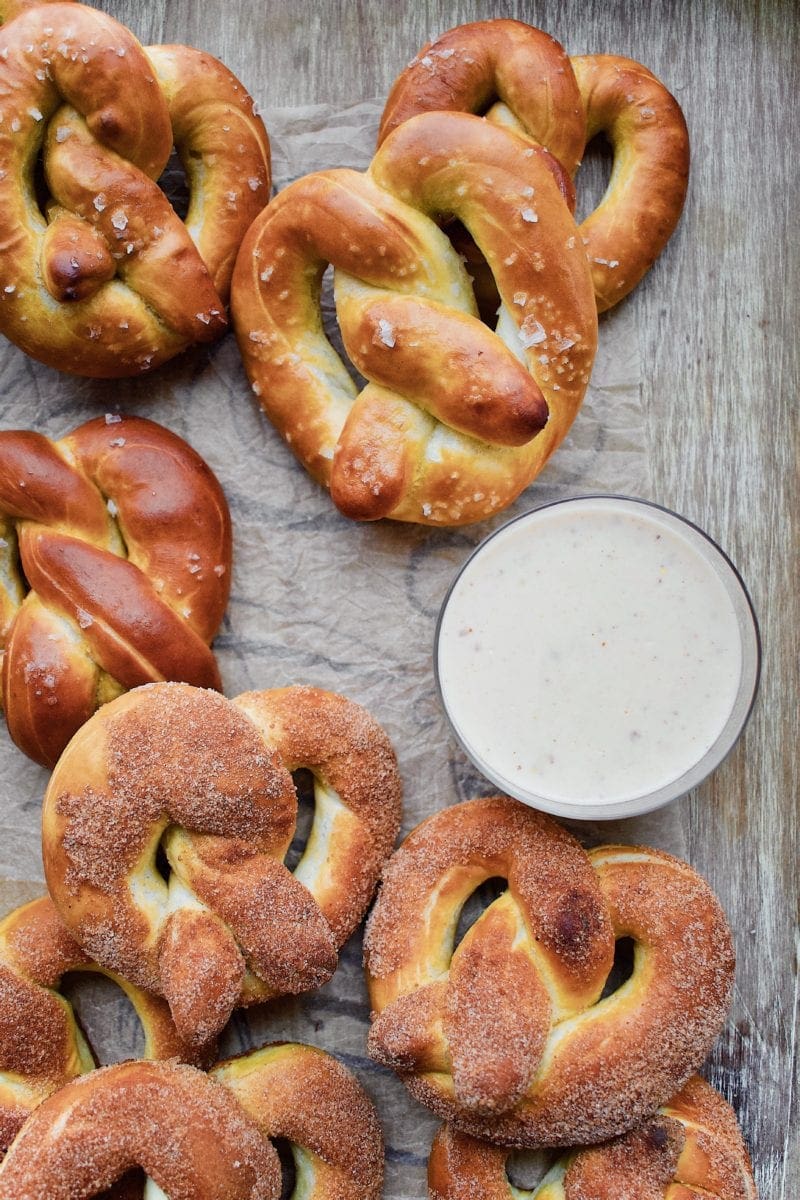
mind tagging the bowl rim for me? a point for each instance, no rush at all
(728, 736)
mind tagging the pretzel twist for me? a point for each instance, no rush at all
(110, 282)
(41, 1044)
(122, 535)
(209, 778)
(692, 1147)
(304, 1096)
(183, 1129)
(507, 1035)
(522, 79)
(451, 425)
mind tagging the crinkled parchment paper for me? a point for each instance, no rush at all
(318, 599)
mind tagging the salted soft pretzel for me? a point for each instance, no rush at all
(209, 778)
(519, 77)
(110, 282)
(41, 1044)
(692, 1147)
(507, 1035)
(304, 1096)
(451, 425)
(115, 556)
(183, 1129)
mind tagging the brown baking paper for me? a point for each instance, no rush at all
(319, 599)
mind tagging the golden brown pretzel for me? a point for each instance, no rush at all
(122, 534)
(692, 1147)
(111, 282)
(522, 79)
(449, 426)
(211, 778)
(185, 1130)
(508, 1036)
(41, 1045)
(304, 1096)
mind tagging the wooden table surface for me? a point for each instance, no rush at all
(717, 323)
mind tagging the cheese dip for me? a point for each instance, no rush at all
(590, 654)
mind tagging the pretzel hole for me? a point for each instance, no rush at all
(526, 1169)
(330, 325)
(174, 183)
(476, 904)
(162, 863)
(594, 176)
(129, 1187)
(622, 966)
(303, 781)
(283, 1149)
(105, 1016)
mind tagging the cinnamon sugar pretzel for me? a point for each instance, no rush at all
(108, 281)
(210, 779)
(692, 1147)
(115, 557)
(456, 418)
(183, 1129)
(41, 1045)
(508, 1035)
(522, 79)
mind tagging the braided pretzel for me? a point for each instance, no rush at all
(112, 282)
(211, 777)
(123, 536)
(449, 426)
(691, 1148)
(523, 80)
(41, 1046)
(185, 1130)
(507, 1036)
(302, 1095)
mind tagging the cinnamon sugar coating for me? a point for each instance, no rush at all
(305, 1096)
(208, 779)
(507, 1036)
(521, 79)
(185, 1131)
(691, 1147)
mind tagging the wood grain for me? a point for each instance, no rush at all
(717, 321)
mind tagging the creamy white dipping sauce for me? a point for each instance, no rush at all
(590, 653)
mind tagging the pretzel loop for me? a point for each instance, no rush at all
(522, 80)
(207, 778)
(113, 283)
(451, 426)
(41, 1044)
(508, 1035)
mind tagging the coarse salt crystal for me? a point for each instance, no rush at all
(386, 333)
(10, 289)
(100, 202)
(266, 274)
(529, 215)
(84, 620)
(531, 332)
(113, 418)
(35, 113)
(203, 317)
(62, 133)
(256, 387)
(117, 442)
(521, 298)
(253, 183)
(119, 220)
(110, 505)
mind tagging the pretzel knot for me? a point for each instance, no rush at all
(451, 424)
(520, 78)
(107, 281)
(509, 1035)
(41, 1044)
(209, 779)
(691, 1147)
(184, 1130)
(122, 535)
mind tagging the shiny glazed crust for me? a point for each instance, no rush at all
(113, 283)
(507, 1037)
(451, 425)
(692, 1147)
(124, 541)
(211, 778)
(303, 1095)
(41, 1045)
(521, 79)
(184, 1129)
